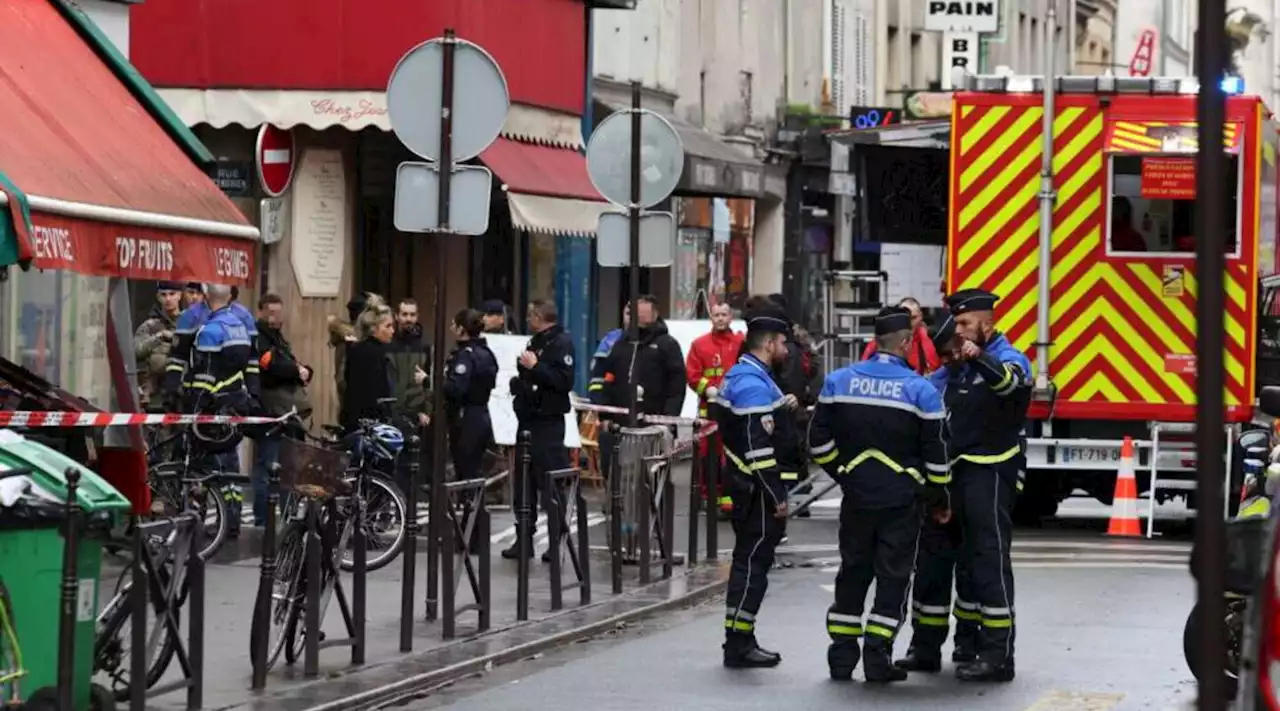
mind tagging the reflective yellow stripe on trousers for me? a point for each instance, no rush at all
(883, 459)
(989, 458)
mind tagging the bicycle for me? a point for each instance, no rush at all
(386, 513)
(11, 667)
(191, 483)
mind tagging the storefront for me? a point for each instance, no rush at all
(100, 187)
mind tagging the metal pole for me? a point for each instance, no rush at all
(409, 555)
(438, 444)
(1211, 206)
(633, 213)
(1048, 196)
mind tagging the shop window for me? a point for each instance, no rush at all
(1153, 205)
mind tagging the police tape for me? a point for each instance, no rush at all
(40, 418)
(651, 419)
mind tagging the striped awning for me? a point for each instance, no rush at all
(1163, 137)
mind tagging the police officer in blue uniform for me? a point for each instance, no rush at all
(877, 429)
(987, 394)
(936, 563)
(470, 373)
(189, 322)
(755, 419)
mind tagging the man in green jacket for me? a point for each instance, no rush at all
(411, 359)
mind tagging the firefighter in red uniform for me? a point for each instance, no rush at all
(710, 357)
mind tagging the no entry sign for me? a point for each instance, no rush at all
(275, 157)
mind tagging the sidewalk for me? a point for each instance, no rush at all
(233, 579)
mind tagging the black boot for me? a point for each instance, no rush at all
(513, 553)
(878, 665)
(963, 656)
(842, 659)
(927, 661)
(982, 670)
(742, 652)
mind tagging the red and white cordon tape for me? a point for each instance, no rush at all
(38, 418)
(702, 428)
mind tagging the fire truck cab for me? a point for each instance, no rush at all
(1122, 275)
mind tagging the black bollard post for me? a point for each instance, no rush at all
(410, 553)
(266, 584)
(524, 530)
(615, 513)
(555, 506)
(137, 622)
(448, 571)
(713, 496)
(359, 578)
(645, 523)
(486, 600)
(584, 545)
(70, 588)
(668, 523)
(195, 614)
(695, 498)
(314, 545)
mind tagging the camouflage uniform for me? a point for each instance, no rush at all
(151, 348)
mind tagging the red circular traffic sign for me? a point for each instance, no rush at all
(275, 158)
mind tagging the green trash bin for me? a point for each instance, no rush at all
(31, 564)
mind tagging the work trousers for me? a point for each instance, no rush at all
(875, 545)
(546, 453)
(938, 563)
(757, 533)
(986, 495)
(469, 435)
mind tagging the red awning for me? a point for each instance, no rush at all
(110, 190)
(540, 170)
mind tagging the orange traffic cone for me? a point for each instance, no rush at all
(1124, 506)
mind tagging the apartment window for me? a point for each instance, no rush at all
(862, 92)
(838, 28)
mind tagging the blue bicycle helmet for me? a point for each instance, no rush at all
(387, 442)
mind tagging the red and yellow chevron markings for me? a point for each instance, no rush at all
(1111, 324)
(1143, 136)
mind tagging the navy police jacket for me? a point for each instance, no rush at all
(469, 376)
(878, 430)
(987, 398)
(178, 367)
(224, 367)
(755, 424)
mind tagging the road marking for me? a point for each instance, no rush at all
(1073, 701)
(592, 520)
(1026, 546)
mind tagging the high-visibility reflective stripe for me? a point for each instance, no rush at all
(755, 466)
(937, 468)
(931, 609)
(702, 412)
(712, 372)
(989, 458)
(880, 631)
(968, 615)
(758, 453)
(738, 625)
(996, 612)
(1257, 508)
(939, 479)
(701, 386)
(828, 457)
(966, 605)
(886, 621)
(931, 620)
(734, 612)
(1002, 623)
(845, 630)
(204, 382)
(791, 476)
(1005, 386)
(175, 367)
(883, 459)
(842, 617)
(594, 387)
(830, 445)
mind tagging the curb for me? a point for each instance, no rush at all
(406, 689)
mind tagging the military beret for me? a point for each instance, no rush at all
(946, 331)
(892, 319)
(966, 300)
(767, 319)
(169, 286)
(493, 307)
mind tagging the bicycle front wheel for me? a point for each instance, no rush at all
(287, 592)
(113, 644)
(384, 524)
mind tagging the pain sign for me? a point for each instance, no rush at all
(962, 16)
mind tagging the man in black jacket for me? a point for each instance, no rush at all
(656, 364)
(800, 377)
(540, 390)
(284, 387)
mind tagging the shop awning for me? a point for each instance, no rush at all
(1163, 137)
(548, 189)
(93, 169)
(352, 110)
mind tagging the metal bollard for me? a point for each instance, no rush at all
(359, 580)
(410, 553)
(314, 548)
(524, 529)
(615, 512)
(552, 496)
(195, 614)
(266, 584)
(584, 547)
(486, 601)
(448, 591)
(70, 588)
(713, 496)
(668, 513)
(644, 524)
(695, 499)
(137, 622)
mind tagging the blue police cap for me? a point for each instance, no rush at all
(966, 300)
(767, 319)
(892, 319)
(169, 286)
(493, 307)
(946, 331)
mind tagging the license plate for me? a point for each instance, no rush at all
(1101, 455)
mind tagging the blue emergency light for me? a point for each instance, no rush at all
(1232, 85)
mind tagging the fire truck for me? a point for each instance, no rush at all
(1077, 209)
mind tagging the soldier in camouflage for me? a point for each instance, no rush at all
(153, 339)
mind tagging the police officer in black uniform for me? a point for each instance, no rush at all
(877, 429)
(541, 391)
(987, 394)
(754, 418)
(469, 378)
(937, 562)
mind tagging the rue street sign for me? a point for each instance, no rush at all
(272, 215)
(609, 158)
(657, 239)
(962, 15)
(418, 196)
(274, 159)
(414, 99)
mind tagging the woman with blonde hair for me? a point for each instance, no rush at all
(367, 370)
(342, 334)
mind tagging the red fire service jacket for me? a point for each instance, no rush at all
(710, 357)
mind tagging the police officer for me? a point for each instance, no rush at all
(541, 398)
(469, 377)
(177, 379)
(936, 562)
(987, 394)
(877, 429)
(755, 421)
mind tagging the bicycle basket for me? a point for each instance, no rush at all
(1244, 559)
(311, 470)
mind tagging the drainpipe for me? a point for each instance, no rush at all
(1048, 196)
